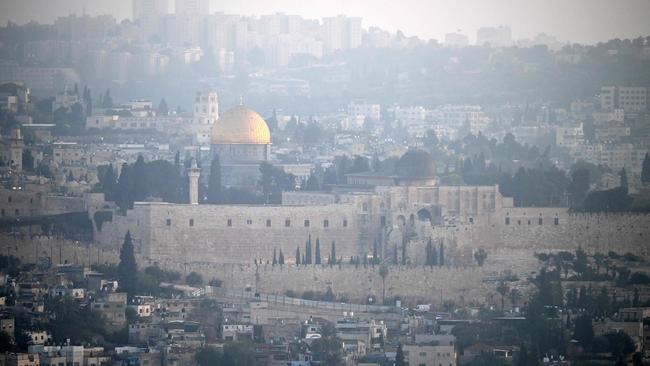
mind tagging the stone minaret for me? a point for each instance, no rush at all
(16, 146)
(193, 173)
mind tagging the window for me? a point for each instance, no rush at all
(364, 207)
(326, 223)
(518, 222)
(168, 222)
(382, 221)
(191, 222)
(287, 222)
(345, 223)
(268, 223)
(249, 222)
(471, 220)
(556, 221)
(528, 222)
(540, 221)
(507, 221)
(423, 354)
(9, 199)
(306, 223)
(229, 223)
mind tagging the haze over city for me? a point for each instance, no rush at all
(316, 183)
(581, 21)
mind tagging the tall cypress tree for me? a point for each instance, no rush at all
(624, 183)
(298, 255)
(317, 256)
(127, 269)
(375, 259)
(214, 184)
(429, 252)
(333, 253)
(308, 251)
(403, 252)
(275, 258)
(441, 260)
(434, 256)
(141, 188)
(395, 262)
(645, 170)
(281, 258)
(123, 192)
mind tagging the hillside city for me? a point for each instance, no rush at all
(196, 188)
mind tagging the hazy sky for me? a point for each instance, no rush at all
(575, 20)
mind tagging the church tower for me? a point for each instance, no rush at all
(193, 173)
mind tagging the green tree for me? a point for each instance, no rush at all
(333, 254)
(208, 356)
(399, 356)
(194, 279)
(502, 289)
(441, 259)
(578, 187)
(215, 194)
(240, 353)
(583, 330)
(281, 258)
(327, 350)
(298, 255)
(127, 269)
(480, 256)
(311, 184)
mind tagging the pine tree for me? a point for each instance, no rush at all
(163, 110)
(215, 195)
(298, 255)
(127, 269)
(403, 252)
(333, 254)
(317, 257)
(429, 250)
(275, 258)
(281, 258)
(442, 255)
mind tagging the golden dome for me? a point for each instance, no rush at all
(240, 125)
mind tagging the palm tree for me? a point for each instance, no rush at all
(383, 272)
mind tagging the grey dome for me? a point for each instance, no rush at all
(416, 164)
